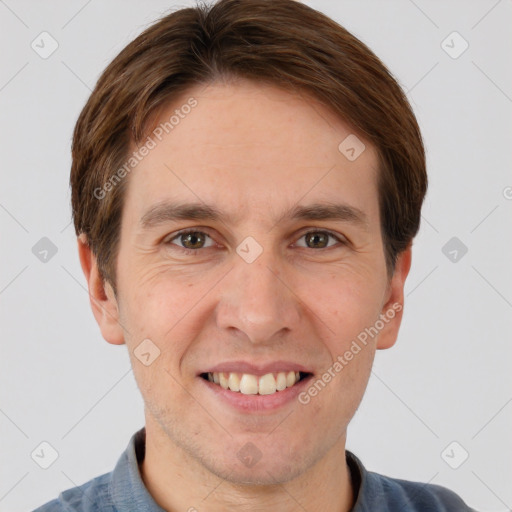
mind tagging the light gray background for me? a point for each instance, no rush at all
(447, 379)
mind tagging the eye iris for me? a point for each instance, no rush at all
(315, 237)
(193, 239)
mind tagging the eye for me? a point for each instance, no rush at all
(190, 239)
(319, 239)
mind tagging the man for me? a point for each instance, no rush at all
(247, 181)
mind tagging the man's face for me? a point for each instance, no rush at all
(209, 300)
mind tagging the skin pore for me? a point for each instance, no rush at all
(254, 152)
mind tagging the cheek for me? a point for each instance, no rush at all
(346, 302)
(158, 299)
(338, 391)
(157, 342)
(167, 310)
(150, 315)
(346, 306)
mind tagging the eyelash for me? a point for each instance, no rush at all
(195, 251)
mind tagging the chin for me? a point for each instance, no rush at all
(261, 474)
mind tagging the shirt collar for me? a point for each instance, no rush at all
(127, 488)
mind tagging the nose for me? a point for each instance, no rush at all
(257, 302)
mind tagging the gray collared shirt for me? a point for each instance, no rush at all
(123, 490)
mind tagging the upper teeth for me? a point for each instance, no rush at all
(251, 384)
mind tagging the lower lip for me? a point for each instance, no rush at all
(257, 403)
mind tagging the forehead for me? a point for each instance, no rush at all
(252, 149)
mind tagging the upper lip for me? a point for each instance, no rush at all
(257, 369)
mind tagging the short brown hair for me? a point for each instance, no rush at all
(281, 42)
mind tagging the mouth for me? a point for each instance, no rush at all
(249, 384)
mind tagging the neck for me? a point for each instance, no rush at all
(178, 481)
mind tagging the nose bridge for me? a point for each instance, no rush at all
(256, 301)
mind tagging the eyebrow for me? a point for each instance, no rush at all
(168, 211)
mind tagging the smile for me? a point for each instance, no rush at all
(249, 384)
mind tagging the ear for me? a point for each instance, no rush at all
(392, 310)
(101, 295)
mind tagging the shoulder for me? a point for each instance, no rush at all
(414, 496)
(387, 494)
(109, 492)
(91, 496)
